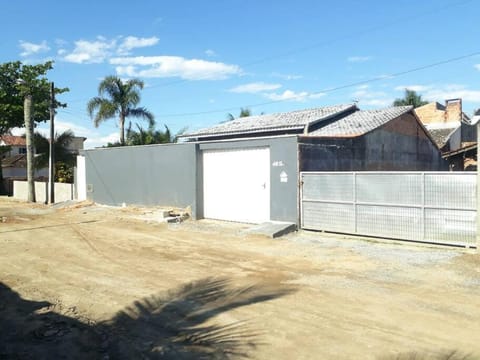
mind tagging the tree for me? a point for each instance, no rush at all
(64, 158)
(151, 136)
(25, 94)
(410, 98)
(118, 98)
(244, 112)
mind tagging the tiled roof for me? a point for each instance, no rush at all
(294, 120)
(13, 140)
(15, 161)
(360, 122)
(441, 136)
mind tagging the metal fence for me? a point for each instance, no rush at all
(437, 207)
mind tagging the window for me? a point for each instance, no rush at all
(22, 150)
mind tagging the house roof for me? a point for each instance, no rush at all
(294, 120)
(13, 140)
(462, 150)
(15, 161)
(360, 122)
(441, 135)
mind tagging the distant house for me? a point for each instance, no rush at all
(452, 130)
(14, 161)
(17, 145)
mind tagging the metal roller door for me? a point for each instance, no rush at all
(236, 185)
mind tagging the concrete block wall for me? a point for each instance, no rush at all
(63, 192)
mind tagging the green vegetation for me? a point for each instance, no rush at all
(410, 98)
(118, 99)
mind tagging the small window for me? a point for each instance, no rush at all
(22, 150)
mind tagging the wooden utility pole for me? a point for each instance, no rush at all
(27, 113)
(51, 158)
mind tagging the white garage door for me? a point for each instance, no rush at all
(236, 185)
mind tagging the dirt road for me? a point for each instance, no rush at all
(87, 281)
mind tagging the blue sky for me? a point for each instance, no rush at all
(201, 60)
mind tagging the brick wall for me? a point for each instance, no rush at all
(431, 113)
(453, 110)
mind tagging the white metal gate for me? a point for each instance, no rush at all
(422, 206)
(236, 185)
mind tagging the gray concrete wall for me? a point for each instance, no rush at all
(63, 192)
(148, 175)
(283, 158)
(401, 145)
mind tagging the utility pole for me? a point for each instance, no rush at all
(27, 112)
(51, 158)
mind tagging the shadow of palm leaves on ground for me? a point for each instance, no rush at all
(176, 325)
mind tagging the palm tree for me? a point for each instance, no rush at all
(64, 159)
(410, 98)
(60, 148)
(118, 98)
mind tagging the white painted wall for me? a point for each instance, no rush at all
(81, 179)
(63, 192)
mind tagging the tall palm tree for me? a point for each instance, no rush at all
(410, 98)
(118, 98)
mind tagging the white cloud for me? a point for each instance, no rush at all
(293, 96)
(91, 51)
(210, 53)
(31, 48)
(99, 141)
(132, 42)
(477, 66)
(173, 66)
(451, 91)
(256, 87)
(100, 49)
(357, 59)
(287, 76)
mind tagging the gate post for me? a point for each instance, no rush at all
(478, 190)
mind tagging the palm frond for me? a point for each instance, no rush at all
(142, 113)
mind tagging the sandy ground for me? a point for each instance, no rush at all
(93, 282)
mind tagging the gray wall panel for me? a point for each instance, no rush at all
(148, 175)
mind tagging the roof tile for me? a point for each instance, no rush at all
(360, 122)
(294, 120)
(13, 140)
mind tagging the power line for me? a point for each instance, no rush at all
(401, 20)
(336, 88)
(355, 34)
